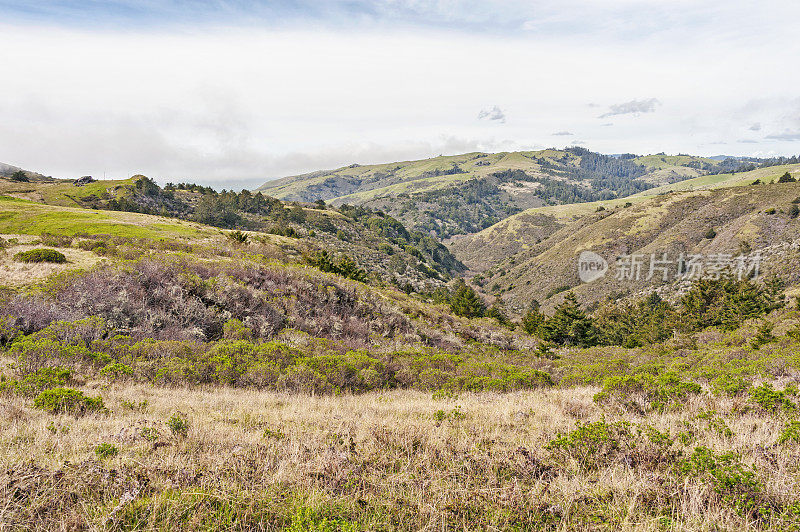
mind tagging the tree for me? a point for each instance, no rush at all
(570, 325)
(533, 319)
(19, 176)
(786, 178)
(465, 302)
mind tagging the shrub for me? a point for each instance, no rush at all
(238, 237)
(730, 385)
(763, 335)
(68, 401)
(141, 406)
(771, 400)
(55, 241)
(736, 483)
(178, 423)
(115, 371)
(710, 234)
(234, 329)
(592, 445)
(106, 450)
(43, 379)
(790, 433)
(644, 392)
(771, 210)
(41, 255)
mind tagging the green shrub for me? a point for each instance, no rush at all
(115, 371)
(593, 445)
(178, 423)
(7, 384)
(644, 392)
(43, 379)
(141, 406)
(67, 401)
(41, 255)
(106, 450)
(238, 237)
(735, 482)
(149, 433)
(790, 433)
(730, 385)
(234, 329)
(772, 400)
(763, 335)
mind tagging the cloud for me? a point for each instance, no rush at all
(632, 107)
(563, 134)
(755, 127)
(786, 135)
(493, 113)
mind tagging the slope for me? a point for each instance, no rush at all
(528, 228)
(537, 253)
(462, 194)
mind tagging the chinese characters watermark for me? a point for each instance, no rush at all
(663, 267)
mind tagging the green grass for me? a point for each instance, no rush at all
(27, 217)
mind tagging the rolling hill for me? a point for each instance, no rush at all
(533, 255)
(135, 209)
(463, 194)
(526, 229)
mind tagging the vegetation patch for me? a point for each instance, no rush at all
(41, 255)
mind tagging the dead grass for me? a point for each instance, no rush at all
(15, 273)
(380, 461)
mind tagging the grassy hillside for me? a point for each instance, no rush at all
(534, 255)
(66, 193)
(379, 245)
(177, 375)
(525, 230)
(462, 194)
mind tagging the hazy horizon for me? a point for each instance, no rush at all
(233, 94)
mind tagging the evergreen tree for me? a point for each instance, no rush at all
(465, 302)
(533, 319)
(570, 325)
(19, 176)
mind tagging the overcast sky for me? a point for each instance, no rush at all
(233, 93)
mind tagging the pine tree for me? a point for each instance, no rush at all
(533, 319)
(570, 325)
(465, 302)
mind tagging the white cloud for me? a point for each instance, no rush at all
(245, 103)
(562, 134)
(492, 113)
(632, 107)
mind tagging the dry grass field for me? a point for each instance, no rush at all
(399, 460)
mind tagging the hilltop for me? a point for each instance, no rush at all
(463, 194)
(138, 208)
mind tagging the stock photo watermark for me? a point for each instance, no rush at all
(665, 267)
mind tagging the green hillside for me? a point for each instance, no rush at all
(463, 194)
(131, 210)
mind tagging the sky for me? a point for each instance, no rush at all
(232, 93)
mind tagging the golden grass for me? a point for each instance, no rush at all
(370, 462)
(16, 273)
